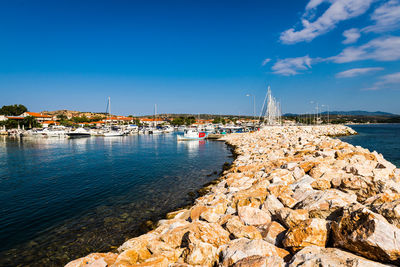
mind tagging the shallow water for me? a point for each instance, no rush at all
(383, 138)
(64, 198)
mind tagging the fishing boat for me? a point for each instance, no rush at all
(80, 132)
(192, 134)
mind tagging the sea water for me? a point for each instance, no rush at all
(64, 198)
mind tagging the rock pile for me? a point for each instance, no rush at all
(292, 197)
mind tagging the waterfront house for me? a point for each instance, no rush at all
(152, 122)
(46, 124)
(38, 116)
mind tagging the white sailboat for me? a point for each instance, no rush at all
(154, 130)
(109, 132)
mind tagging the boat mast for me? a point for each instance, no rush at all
(109, 108)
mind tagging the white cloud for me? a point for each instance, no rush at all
(355, 72)
(338, 11)
(292, 66)
(386, 80)
(386, 17)
(265, 62)
(351, 35)
(379, 49)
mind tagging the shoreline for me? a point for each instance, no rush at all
(270, 207)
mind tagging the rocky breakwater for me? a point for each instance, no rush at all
(292, 197)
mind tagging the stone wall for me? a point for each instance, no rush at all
(292, 197)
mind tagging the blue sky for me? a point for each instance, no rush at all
(200, 56)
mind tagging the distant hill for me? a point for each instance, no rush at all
(351, 113)
(360, 113)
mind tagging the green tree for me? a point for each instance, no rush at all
(30, 122)
(190, 120)
(62, 117)
(13, 110)
(178, 121)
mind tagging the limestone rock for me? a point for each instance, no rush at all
(253, 216)
(242, 248)
(253, 196)
(274, 233)
(323, 204)
(329, 257)
(235, 227)
(211, 233)
(260, 261)
(368, 234)
(287, 199)
(271, 205)
(291, 218)
(97, 259)
(159, 248)
(200, 253)
(307, 233)
(390, 210)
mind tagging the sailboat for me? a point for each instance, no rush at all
(154, 130)
(109, 132)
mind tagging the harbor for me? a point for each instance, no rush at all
(200, 133)
(280, 203)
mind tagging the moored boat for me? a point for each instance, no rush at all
(80, 132)
(192, 134)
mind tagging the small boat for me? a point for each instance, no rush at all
(55, 131)
(113, 133)
(155, 131)
(168, 129)
(192, 134)
(80, 132)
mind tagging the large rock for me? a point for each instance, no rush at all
(242, 248)
(271, 205)
(291, 218)
(253, 196)
(211, 233)
(235, 227)
(307, 233)
(274, 233)
(198, 252)
(389, 210)
(94, 259)
(323, 204)
(329, 257)
(253, 216)
(260, 261)
(368, 234)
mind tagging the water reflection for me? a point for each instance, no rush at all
(64, 198)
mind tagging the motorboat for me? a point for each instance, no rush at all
(113, 133)
(182, 128)
(192, 134)
(55, 131)
(210, 128)
(168, 129)
(79, 132)
(155, 131)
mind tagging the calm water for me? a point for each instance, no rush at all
(64, 198)
(384, 138)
